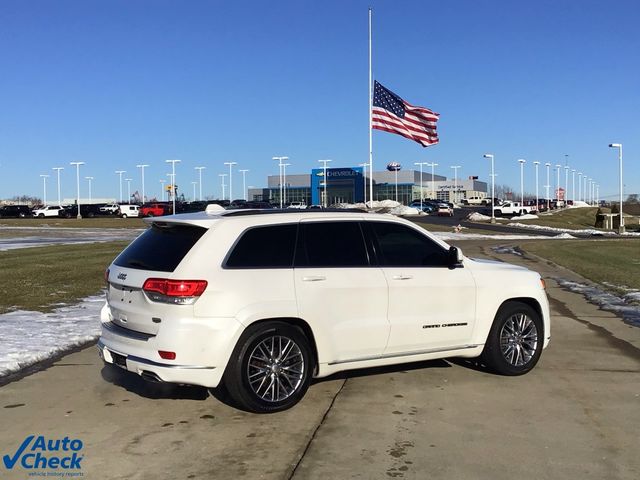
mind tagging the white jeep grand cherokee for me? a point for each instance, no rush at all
(264, 301)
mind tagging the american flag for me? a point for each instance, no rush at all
(392, 114)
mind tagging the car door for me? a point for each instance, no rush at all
(339, 293)
(431, 306)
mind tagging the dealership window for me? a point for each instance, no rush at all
(401, 246)
(331, 244)
(264, 247)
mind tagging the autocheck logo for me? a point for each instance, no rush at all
(39, 453)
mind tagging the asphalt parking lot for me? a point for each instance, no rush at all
(576, 415)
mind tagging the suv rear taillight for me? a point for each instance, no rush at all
(180, 292)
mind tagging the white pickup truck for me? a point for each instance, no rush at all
(512, 208)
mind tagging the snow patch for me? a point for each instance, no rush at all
(507, 249)
(605, 300)
(478, 217)
(31, 337)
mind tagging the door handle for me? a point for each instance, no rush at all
(314, 278)
(402, 277)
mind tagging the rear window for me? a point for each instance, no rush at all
(160, 248)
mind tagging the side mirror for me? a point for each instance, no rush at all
(455, 258)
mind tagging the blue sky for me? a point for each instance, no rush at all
(118, 83)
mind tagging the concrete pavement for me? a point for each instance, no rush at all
(576, 415)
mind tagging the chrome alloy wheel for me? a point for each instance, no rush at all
(275, 369)
(518, 339)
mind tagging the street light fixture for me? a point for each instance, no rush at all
(77, 165)
(324, 179)
(141, 167)
(522, 162)
(173, 179)
(433, 182)
(619, 147)
(58, 171)
(493, 187)
(44, 188)
(200, 180)
(244, 183)
(280, 159)
(120, 172)
(455, 183)
(231, 164)
(90, 180)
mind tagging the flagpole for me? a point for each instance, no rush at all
(370, 123)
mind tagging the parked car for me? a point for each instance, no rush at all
(444, 210)
(262, 301)
(15, 211)
(513, 208)
(426, 207)
(156, 209)
(125, 211)
(476, 201)
(48, 211)
(111, 208)
(298, 205)
(86, 211)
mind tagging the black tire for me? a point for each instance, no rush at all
(91, 215)
(41, 215)
(498, 213)
(124, 215)
(515, 341)
(246, 363)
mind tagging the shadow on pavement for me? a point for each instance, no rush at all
(398, 368)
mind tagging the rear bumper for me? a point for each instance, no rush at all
(149, 370)
(202, 347)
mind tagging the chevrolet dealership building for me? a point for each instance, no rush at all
(351, 185)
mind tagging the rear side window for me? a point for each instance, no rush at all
(331, 244)
(264, 247)
(401, 246)
(160, 248)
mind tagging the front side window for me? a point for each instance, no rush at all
(331, 244)
(264, 247)
(401, 246)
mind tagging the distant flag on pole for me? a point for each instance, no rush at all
(392, 114)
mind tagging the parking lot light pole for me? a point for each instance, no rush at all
(566, 184)
(364, 179)
(433, 182)
(455, 183)
(284, 181)
(58, 171)
(548, 185)
(162, 182)
(141, 167)
(573, 186)
(77, 165)
(194, 183)
(493, 186)
(619, 147)
(200, 181)
(231, 164)
(324, 178)
(44, 189)
(90, 180)
(558, 167)
(280, 159)
(120, 172)
(579, 186)
(222, 175)
(537, 164)
(522, 162)
(421, 184)
(128, 180)
(173, 179)
(244, 183)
